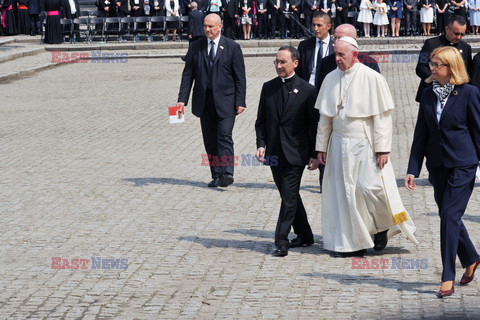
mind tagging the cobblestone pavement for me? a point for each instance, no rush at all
(92, 170)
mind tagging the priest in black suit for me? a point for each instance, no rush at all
(286, 128)
(454, 32)
(216, 65)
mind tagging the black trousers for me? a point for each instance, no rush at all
(342, 16)
(229, 25)
(410, 21)
(308, 13)
(262, 24)
(292, 212)
(294, 28)
(277, 16)
(34, 23)
(452, 189)
(217, 138)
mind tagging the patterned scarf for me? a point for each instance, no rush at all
(442, 92)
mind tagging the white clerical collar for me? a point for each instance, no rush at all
(283, 79)
(353, 68)
(216, 40)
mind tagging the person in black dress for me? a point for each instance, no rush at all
(53, 29)
(23, 20)
(8, 18)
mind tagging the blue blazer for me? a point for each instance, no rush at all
(455, 140)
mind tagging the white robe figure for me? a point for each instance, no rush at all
(358, 200)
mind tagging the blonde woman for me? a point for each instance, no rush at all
(447, 134)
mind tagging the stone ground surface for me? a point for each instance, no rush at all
(91, 168)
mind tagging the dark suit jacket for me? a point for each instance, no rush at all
(228, 77)
(195, 23)
(329, 5)
(423, 70)
(67, 12)
(273, 3)
(230, 8)
(306, 49)
(476, 71)
(294, 129)
(258, 2)
(455, 140)
(329, 64)
(33, 6)
(249, 5)
(342, 3)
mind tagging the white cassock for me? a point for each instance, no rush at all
(358, 199)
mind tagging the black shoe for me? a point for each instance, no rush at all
(380, 240)
(299, 242)
(214, 183)
(226, 180)
(359, 253)
(281, 251)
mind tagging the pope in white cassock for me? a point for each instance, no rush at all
(361, 205)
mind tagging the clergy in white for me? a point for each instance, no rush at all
(360, 195)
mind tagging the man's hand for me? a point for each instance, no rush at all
(409, 184)
(240, 109)
(180, 104)
(382, 159)
(259, 155)
(409, 7)
(322, 157)
(312, 164)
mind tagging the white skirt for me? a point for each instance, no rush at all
(365, 16)
(380, 19)
(426, 16)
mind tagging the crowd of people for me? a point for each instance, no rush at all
(262, 19)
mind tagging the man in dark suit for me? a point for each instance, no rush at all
(410, 14)
(276, 15)
(311, 52)
(216, 65)
(342, 11)
(314, 49)
(70, 9)
(454, 32)
(195, 23)
(293, 10)
(262, 18)
(230, 14)
(310, 7)
(34, 12)
(286, 126)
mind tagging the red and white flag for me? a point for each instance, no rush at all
(176, 114)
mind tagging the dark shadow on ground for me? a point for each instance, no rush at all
(266, 247)
(349, 279)
(141, 182)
